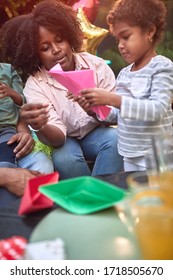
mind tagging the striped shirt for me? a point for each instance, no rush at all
(146, 105)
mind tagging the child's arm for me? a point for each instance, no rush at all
(99, 96)
(17, 87)
(5, 91)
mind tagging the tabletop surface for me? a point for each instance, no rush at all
(100, 235)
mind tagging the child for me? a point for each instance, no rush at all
(16, 143)
(11, 98)
(144, 88)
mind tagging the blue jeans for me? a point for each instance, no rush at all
(34, 161)
(100, 146)
(38, 161)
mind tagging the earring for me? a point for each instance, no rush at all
(39, 68)
(72, 49)
(150, 39)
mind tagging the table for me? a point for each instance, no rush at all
(13, 224)
(98, 236)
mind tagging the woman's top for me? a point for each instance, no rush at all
(9, 111)
(65, 114)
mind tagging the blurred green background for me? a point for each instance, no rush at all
(107, 48)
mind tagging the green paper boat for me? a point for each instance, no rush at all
(83, 195)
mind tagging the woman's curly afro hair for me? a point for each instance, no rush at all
(19, 36)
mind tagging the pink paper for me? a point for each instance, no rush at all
(32, 199)
(77, 80)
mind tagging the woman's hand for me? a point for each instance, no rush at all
(81, 100)
(25, 143)
(35, 115)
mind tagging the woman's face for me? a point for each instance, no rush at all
(54, 49)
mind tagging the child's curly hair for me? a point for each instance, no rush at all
(142, 13)
(19, 36)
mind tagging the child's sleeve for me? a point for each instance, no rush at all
(16, 83)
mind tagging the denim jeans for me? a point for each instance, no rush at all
(34, 161)
(6, 151)
(38, 161)
(100, 146)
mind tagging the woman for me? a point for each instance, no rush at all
(51, 35)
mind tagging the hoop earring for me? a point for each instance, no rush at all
(39, 68)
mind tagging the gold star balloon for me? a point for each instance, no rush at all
(93, 35)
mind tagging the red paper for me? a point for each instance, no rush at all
(77, 80)
(32, 199)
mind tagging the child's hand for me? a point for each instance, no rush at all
(96, 96)
(5, 90)
(99, 96)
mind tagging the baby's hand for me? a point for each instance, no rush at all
(5, 90)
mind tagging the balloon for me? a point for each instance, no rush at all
(90, 8)
(93, 35)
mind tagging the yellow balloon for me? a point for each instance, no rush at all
(93, 35)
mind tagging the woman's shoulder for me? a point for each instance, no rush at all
(88, 57)
(37, 76)
(94, 62)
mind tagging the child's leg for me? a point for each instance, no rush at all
(7, 156)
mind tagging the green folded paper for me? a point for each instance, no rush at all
(83, 195)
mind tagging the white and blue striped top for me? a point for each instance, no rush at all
(146, 105)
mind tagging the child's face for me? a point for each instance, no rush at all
(133, 43)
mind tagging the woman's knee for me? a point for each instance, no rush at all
(65, 159)
(38, 161)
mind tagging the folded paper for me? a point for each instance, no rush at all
(83, 195)
(32, 199)
(77, 80)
